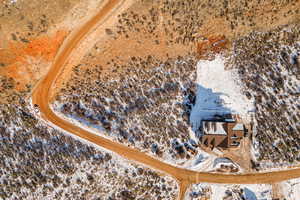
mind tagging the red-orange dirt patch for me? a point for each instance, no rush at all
(44, 46)
(24, 62)
(212, 44)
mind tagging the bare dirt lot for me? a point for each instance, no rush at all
(31, 33)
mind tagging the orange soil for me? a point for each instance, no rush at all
(265, 16)
(16, 57)
(277, 192)
(44, 46)
(213, 44)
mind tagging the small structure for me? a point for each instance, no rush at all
(225, 133)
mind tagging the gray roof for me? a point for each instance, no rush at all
(238, 127)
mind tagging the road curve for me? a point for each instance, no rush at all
(41, 97)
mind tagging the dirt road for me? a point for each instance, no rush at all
(41, 97)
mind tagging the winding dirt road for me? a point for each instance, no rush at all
(41, 97)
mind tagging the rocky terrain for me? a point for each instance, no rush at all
(39, 161)
(269, 67)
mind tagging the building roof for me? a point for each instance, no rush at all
(224, 133)
(214, 128)
(238, 127)
(229, 120)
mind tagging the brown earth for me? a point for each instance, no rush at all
(252, 16)
(215, 35)
(212, 45)
(31, 33)
(101, 48)
(277, 192)
(26, 63)
(25, 22)
(241, 155)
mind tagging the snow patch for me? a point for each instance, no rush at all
(291, 189)
(219, 191)
(218, 92)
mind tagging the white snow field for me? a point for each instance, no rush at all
(291, 189)
(218, 92)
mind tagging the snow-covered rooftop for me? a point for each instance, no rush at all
(214, 128)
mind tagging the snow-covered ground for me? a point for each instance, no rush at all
(219, 191)
(202, 162)
(218, 92)
(74, 169)
(291, 189)
(80, 122)
(268, 64)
